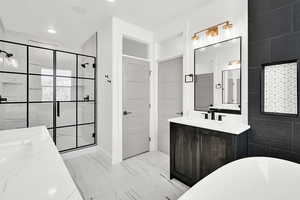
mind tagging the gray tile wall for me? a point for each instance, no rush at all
(274, 35)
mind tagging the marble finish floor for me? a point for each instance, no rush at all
(145, 177)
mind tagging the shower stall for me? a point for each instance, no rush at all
(42, 86)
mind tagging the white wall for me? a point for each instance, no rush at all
(89, 47)
(110, 54)
(170, 48)
(213, 13)
(2, 28)
(105, 53)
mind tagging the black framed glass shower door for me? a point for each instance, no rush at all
(52, 88)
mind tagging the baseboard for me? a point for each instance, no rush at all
(77, 153)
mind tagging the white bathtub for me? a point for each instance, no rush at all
(257, 178)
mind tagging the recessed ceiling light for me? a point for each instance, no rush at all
(111, 1)
(51, 30)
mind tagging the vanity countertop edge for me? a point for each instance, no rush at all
(232, 128)
(31, 167)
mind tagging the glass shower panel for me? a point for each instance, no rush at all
(16, 58)
(86, 67)
(41, 114)
(65, 113)
(65, 89)
(66, 138)
(65, 64)
(40, 88)
(40, 61)
(13, 87)
(86, 135)
(13, 116)
(86, 90)
(50, 133)
(85, 112)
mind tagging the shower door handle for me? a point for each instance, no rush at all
(58, 109)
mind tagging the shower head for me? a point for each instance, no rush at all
(84, 65)
(8, 55)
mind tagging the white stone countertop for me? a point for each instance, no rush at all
(232, 128)
(31, 167)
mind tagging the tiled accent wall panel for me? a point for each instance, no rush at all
(280, 88)
(274, 35)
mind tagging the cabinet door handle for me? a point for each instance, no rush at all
(58, 109)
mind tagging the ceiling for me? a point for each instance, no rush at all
(76, 20)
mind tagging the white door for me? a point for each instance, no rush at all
(136, 101)
(170, 85)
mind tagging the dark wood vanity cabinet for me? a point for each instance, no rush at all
(197, 152)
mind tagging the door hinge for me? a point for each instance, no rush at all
(149, 105)
(149, 139)
(150, 72)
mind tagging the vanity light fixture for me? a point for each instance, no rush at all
(235, 62)
(196, 36)
(213, 31)
(228, 26)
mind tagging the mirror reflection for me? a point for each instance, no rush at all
(218, 77)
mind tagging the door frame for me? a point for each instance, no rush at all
(135, 59)
(124, 30)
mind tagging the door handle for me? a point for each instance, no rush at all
(179, 113)
(126, 113)
(58, 109)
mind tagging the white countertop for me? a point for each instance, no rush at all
(31, 167)
(232, 128)
(257, 178)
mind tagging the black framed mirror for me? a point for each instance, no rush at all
(217, 77)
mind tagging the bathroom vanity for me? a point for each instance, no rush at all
(199, 147)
